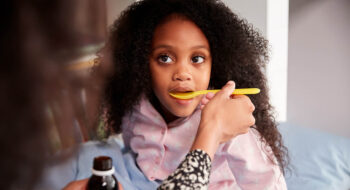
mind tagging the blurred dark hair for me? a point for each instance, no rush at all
(40, 95)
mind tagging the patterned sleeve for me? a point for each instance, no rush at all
(192, 173)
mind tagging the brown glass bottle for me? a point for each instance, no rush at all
(102, 175)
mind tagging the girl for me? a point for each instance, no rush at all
(162, 46)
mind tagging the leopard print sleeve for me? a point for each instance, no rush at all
(193, 173)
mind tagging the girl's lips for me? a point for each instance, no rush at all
(181, 89)
(183, 102)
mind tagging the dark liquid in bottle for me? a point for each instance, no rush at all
(102, 177)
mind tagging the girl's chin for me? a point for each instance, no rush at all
(183, 113)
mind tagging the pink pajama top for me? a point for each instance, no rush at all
(241, 163)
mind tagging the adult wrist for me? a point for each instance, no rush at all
(207, 139)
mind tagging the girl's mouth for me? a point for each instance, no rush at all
(182, 89)
(182, 101)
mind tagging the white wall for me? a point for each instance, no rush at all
(254, 11)
(319, 65)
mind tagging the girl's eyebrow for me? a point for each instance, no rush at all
(162, 46)
(200, 47)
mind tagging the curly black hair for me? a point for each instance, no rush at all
(239, 53)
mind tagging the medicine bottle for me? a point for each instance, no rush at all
(102, 175)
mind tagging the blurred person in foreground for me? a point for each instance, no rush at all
(40, 90)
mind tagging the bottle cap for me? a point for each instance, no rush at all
(102, 163)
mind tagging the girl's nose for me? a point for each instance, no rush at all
(182, 70)
(182, 76)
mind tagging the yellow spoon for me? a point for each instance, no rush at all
(189, 95)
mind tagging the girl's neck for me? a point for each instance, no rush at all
(168, 117)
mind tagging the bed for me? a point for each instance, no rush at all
(318, 160)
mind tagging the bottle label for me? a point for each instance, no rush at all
(103, 173)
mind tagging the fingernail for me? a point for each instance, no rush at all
(230, 82)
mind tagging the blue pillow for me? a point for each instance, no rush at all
(318, 160)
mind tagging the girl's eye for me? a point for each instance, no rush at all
(198, 59)
(164, 59)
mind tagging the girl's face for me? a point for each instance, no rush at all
(180, 62)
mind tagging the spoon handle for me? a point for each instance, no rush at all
(236, 91)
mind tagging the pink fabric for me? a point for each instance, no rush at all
(241, 163)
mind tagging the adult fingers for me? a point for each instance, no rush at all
(204, 100)
(248, 102)
(207, 97)
(120, 186)
(227, 90)
(210, 95)
(77, 185)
